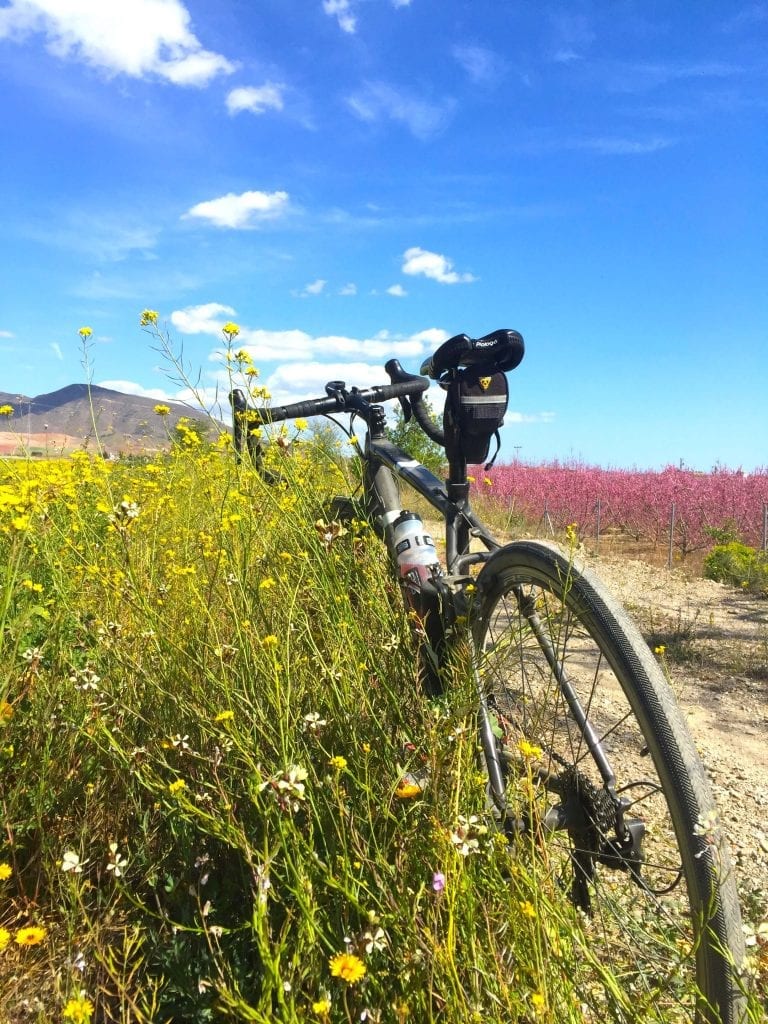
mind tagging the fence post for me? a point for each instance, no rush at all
(597, 526)
(547, 520)
(671, 535)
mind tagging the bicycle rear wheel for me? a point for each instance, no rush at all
(621, 809)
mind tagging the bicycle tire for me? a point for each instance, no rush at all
(630, 705)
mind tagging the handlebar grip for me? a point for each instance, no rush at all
(256, 415)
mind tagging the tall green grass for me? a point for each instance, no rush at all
(209, 703)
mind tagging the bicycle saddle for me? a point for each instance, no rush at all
(500, 350)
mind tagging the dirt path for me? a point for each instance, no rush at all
(716, 654)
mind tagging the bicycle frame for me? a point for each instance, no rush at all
(383, 460)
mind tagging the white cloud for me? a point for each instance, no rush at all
(129, 387)
(434, 266)
(525, 417)
(56, 349)
(342, 11)
(208, 318)
(348, 289)
(255, 99)
(611, 146)
(566, 56)
(293, 346)
(7, 334)
(482, 65)
(397, 290)
(308, 379)
(104, 235)
(241, 211)
(202, 399)
(572, 35)
(130, 37)
(379, 101)
(626, 76)
(315, 288)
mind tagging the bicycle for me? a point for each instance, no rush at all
(621, 803)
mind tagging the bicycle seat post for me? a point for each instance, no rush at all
(457, 526)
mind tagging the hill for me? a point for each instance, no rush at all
(94, 418)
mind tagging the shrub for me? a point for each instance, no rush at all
(739, 565)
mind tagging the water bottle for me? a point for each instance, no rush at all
(418, 566)
(414, 549)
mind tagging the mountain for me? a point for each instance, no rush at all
(95, 418)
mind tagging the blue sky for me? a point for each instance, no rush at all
(354, 179)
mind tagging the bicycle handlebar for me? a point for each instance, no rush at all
(411, 387)
(501, 350)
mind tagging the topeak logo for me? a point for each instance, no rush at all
(485, 382)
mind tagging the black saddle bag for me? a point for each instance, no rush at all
(475, 405)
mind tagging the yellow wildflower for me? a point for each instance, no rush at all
(407, 790)
(266, 583)
(31, 936)
(348, 967)
(6, 712)
(225, 716)
(660, 649)
(5, 872)
(176, 787)
(5, 938)
(6, 410)
(338, 762)
(149, 316)
(78, 1010)
(528, 749)
(231, 329)
(163, 410)
(322, 1007)
(300, 424)
(538, 1001)
(85, 332)
(527, 908)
